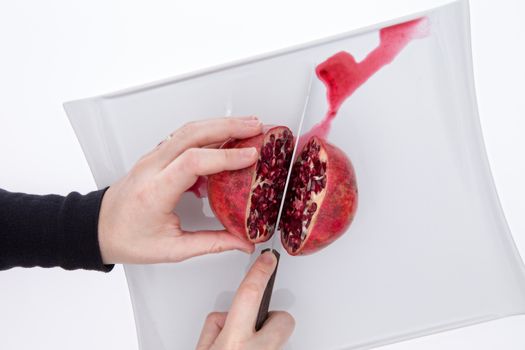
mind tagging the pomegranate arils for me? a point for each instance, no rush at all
(307, 180)
(268, 184)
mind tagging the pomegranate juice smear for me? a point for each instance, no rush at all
(342, 75)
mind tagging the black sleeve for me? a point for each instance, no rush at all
(50, 231)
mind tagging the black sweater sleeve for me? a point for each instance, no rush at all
(50, 231)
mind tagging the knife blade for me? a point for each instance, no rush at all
(262, 315)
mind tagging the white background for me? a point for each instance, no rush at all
(57, 50)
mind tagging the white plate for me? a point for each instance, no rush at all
(429, 249)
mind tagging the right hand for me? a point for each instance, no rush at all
(235, 330)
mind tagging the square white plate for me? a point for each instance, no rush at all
(429, 249)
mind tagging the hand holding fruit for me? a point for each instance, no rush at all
(137, 223)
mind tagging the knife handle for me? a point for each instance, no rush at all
(262, 315)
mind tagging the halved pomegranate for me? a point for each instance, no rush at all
(247, 201)
(321, 199)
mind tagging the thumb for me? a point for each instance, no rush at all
(192, 244)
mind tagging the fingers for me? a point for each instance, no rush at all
(182, 173)
(192, 244)
(212, 327)
(245, 307)
(206, 132)
(276, 330)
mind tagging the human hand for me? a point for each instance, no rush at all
(137, 223)
(235, 330)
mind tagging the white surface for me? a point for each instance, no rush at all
(425, 194)
(59, 50)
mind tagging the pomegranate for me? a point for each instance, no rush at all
(247, 201)
(321, 199)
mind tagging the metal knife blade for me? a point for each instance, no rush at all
(274, 246)
(275, 238)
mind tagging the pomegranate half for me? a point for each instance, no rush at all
(247, 201)
(321, 199)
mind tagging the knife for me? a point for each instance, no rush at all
(262, 315)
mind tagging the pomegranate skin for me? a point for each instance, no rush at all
(337, 209)
(229, 191)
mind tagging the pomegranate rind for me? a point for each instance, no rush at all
(229, 191)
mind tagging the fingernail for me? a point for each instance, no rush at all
(268, 258)
(248, 152)
(248, 117)
(252, 123)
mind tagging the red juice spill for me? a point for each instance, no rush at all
(200, 187)
(342, 75)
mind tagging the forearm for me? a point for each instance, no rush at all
(50, 231)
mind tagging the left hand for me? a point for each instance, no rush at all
(137, 223)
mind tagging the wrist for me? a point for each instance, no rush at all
(103, 228)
